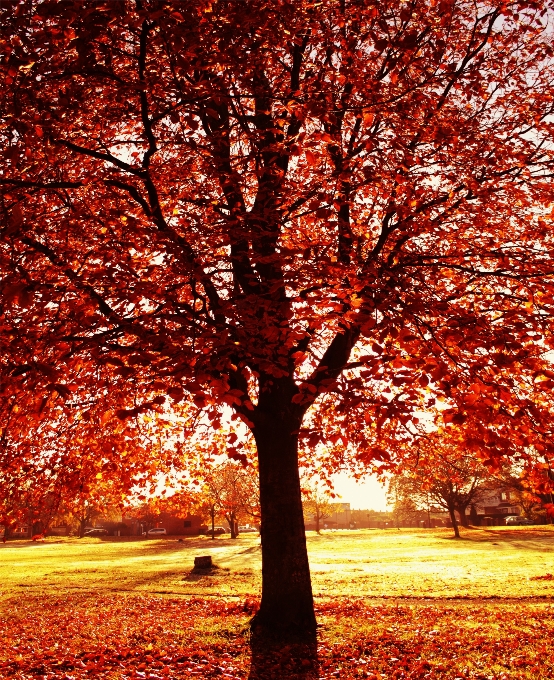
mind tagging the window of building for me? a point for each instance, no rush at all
(504, 496)
(187, 523)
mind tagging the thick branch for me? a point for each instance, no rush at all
(334, 360)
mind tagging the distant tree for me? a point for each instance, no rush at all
(405, 502)
(89, 491)
(82, 510)
(146, 512)
(232, 490)
(317, 501)
(439, 472)
(29, 496)
(12, 506)
(537, 480)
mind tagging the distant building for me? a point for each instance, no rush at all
(59, 530)
(492, 508)
(133, 526)
(178, 526)
(20, 531)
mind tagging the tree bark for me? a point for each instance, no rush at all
(452, 513)
(286, 607)
(464, 521)
(233, 525)
(82, 526)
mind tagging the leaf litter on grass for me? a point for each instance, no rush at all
(121, 637)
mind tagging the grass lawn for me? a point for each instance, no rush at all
(391, 604)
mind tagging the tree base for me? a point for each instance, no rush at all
(266, 628)
(278, 654)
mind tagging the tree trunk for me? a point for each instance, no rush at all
(473, 516)
(212, 515)
(317, 520)
(463, 517)
(287, 605)
(454, 521)
(82, 526)
(233, 525)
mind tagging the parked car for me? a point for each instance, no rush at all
(96, 532)
(157, 531)
(515, 520)
(217, 531)
(247, 529)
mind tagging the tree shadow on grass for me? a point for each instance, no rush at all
(279, 659)
(197, 574)
(252, 549)
(533, 538)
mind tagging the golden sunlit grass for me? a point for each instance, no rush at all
(492, 562)
(391, 604)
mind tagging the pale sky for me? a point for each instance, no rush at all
(364, 494)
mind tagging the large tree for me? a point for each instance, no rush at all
(323, 215)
